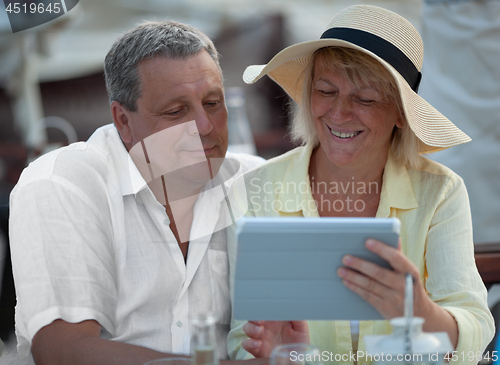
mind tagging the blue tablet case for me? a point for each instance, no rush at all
(286, 268)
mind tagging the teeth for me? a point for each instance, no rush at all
(343, 135)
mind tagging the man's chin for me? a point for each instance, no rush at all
(216, 159)
(183, 181)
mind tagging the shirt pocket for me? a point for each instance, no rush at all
(219, 262)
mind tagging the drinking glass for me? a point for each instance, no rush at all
(296, 354)
(170, 361)
(203, 343)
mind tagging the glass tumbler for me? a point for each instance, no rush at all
(296, 354)
(203, 345)
(170, 361)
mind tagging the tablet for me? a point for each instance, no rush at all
(286, 268)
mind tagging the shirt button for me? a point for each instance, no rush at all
(179, 324)
(166, 222)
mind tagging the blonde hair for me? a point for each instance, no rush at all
(360, 69)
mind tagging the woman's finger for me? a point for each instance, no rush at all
(370, 271)
(398, 261)
(257, 322)
(389, 291)
(388, 309)
(253, 330)
(252, 346)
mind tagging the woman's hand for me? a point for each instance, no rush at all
(385, 289)
(266, 335)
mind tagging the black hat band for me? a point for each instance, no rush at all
(382, 48)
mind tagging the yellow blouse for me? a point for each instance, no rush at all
(436, 234)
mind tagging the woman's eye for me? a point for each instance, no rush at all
(327, 92)
(366, 101)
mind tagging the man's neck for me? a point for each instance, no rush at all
(180, 213)
(180, 228)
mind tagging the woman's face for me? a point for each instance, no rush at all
(354, 125)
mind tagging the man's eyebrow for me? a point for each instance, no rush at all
(216, 90)
(165, 104)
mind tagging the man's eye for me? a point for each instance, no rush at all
(174, 112)
(212, 103)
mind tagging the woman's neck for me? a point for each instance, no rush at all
(344, 190)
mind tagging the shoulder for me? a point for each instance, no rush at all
(247, 161)
(435, 179)
(434, 171)
(82, 164)
(275, 168)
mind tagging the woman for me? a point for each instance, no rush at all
(362, 127)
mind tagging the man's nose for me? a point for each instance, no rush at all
(203, 122)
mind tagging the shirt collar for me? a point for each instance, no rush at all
(132, 182)
(129, 177)
(397, 190)
(295, 193)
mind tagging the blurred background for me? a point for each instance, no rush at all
(56, 70)
(52, 89)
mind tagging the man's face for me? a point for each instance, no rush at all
(184, 100)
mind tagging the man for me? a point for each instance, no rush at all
(116, 241)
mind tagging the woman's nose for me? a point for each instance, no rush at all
(341, 110)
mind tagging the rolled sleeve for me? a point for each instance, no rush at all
(62, 257)
(234, 339)
(453, 281)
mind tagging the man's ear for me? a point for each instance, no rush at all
(121, 118)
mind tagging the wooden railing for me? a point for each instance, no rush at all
(488, 262)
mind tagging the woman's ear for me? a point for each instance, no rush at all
(121, 118)
(399, 122)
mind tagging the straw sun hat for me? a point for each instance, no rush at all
(390, 39)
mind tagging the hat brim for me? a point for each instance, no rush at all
(434, 130)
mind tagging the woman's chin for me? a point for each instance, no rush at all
(341, 161)
(341, 158)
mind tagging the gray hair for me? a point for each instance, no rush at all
(155, 38)
(359, 69)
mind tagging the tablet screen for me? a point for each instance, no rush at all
(286, 268)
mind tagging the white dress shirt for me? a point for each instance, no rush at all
(89, 240)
